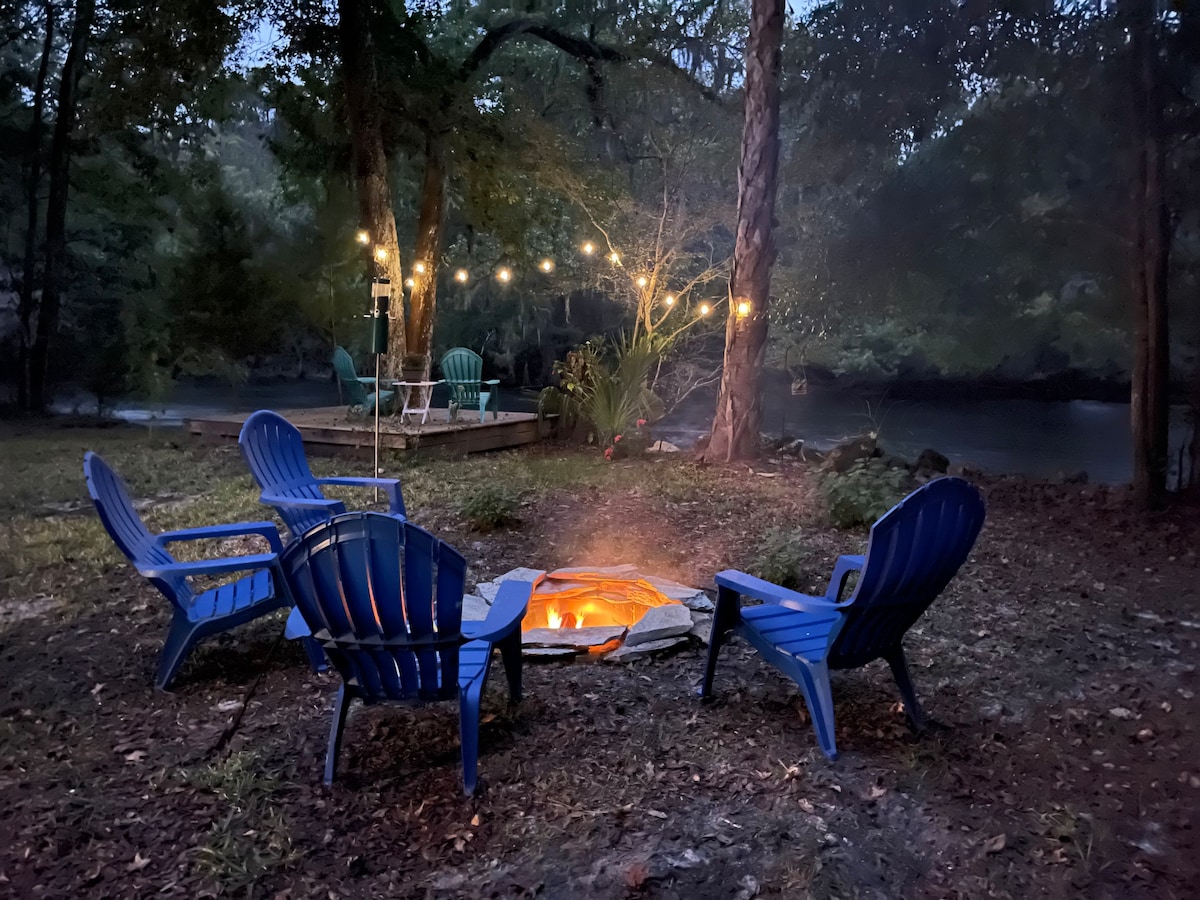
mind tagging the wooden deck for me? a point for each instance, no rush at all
(330, 430)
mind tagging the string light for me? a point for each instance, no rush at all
(504, 275)
(588, 248)
(363, 237)
(669, 300)
(705, 309)
(546, 265)
(614, 258)
(641, 281)
(381, 254)
(743, 308)
(461, 276)
(410, 283)
(419, 268)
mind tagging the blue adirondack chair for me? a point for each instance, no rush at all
(384, 599)
(274, 451)
(913, 552)
(462, 370)
(354, 387)
(196, 615)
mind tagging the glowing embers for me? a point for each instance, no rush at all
(579, 598)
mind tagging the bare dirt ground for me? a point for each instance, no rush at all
(1060, 667)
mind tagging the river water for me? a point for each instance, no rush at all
(1027, 437)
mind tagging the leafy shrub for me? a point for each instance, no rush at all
(864, 493)
(490, 507)
(780, 557)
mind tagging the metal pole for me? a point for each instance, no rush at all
(376, 475)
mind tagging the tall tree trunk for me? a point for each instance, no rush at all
(430, 220)
(1149, 401)
(369, 160)
(738, 417)
(56, 206)
(25, 305)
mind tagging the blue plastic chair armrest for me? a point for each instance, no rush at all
(390, 486)
(506, 613)
(334, 506)
(846, 565)
(491, 381)
(233, 529)
(296, 626)
(767, 592)
(364, 379)
(211, 566)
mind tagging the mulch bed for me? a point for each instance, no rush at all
(1060, 667)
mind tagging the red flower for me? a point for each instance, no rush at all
(641, 422)
(616, 438)
(608, 453)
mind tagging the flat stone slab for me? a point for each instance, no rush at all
(520, 574)
(548, 654)
(475, 609)
(573, 637)
(626, 653)
(701, 627)
(661, 622)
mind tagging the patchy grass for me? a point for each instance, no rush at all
(1059, 667)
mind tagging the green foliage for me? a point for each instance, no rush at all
(490, 506)
(607, 392)
(781, 557)
(864, 493)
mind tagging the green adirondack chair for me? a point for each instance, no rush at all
(462, 370)
(355, 388)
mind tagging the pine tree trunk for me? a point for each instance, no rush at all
(25, 305)
(369, 160)
(738, 419)
(56, 207)
(430, 220)
(1149, 401)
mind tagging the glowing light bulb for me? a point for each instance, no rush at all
(546, 265)
(641, 281)
(669, 300)
(588, 248)
(705, 309)
(410, 283)
(419, 268)
(381, 254)
(743, 308)
(363, 237)
(614, 258)
(461, 276)
(504, 275)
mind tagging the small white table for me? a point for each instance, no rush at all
(417, 396)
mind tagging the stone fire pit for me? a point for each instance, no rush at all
(637, 614)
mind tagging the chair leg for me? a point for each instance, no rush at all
(916, 716)
(725, 618)
(468, 727)
(316, 656)
(814, 684)
(510, 655)
(179, 643)
(341, 708)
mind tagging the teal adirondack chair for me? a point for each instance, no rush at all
(355, 388)
(462, 370)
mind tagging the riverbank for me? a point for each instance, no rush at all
(1059, 666)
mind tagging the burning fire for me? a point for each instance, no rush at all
(574, 599)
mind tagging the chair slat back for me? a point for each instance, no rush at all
(348, 376)
(127, 529)
(384, 597)
(914, 551)
(462, 369)
(274, 452)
